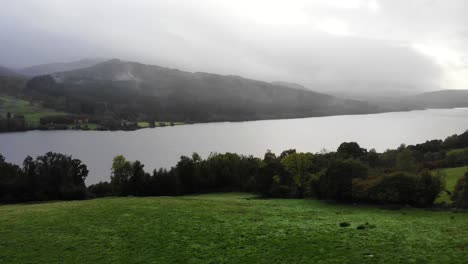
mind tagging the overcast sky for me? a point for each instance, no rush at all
(354, 45)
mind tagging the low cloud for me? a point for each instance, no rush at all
(361, 46)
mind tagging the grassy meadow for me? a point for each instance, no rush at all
(226, 228)
(451, 176)
(31, 112)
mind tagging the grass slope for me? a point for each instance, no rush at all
(226, 228)
(451, 177)
(32, 113)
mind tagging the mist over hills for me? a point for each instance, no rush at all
(137, 91)
(441, 99)
(49, 68)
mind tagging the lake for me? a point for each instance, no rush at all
(162, 147)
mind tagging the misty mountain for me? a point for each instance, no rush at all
(49, 68)
(440, 99)
(435, 99)
(137, 91)
(8, 72)
(290, 85)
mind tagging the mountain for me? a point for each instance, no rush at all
(136, 91)
(6, 72)
(441, 99)
(435, 99)
(44, 69)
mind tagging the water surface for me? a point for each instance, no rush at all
(162, 147)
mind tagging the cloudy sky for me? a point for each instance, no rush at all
(390, 46)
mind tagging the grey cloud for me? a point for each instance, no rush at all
(209, 36)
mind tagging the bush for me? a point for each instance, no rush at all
(399, 188)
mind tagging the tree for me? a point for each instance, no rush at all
(53, 176)
(121, 173)
(372, 158)
(269, 167)
(336, 183)
(188, 171)
(8, 174)
(286, 153)
(396, 188)
(138, 180)
(429, 188)
(60, 176)
(405, 161)
(166, 182)
(300, 167)
(350, 150)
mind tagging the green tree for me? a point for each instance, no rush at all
(350, 150)
(405, 161)
(138, 179)
(429, 188)
(336, 183)
(269, 167)
(300, 167)
(120, 177)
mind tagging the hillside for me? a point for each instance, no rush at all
(226, 228)
(49, 68)
(451, 176)
(137, 91)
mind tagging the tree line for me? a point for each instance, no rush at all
(52, 176)
(350, 174)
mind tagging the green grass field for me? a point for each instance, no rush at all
(226, 228)
(451, 177)
(32, 113)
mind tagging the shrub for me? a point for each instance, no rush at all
(399, 188)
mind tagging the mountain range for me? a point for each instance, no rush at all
(116, 89)
(132, 90)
